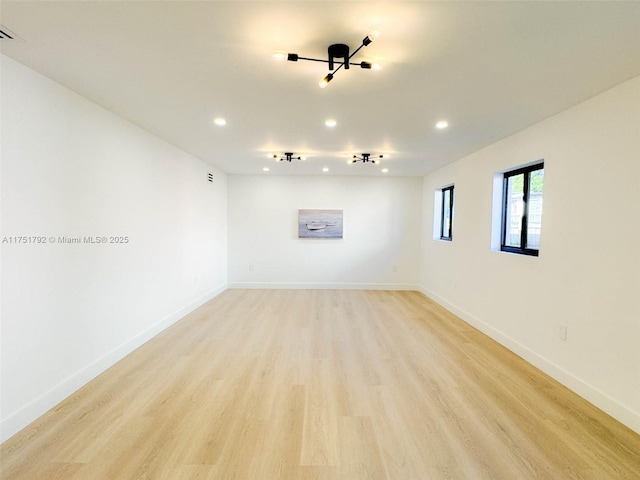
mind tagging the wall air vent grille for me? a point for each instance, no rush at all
(210, 177)
(6, 34)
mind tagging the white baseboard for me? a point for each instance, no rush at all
(611, 406)
(30, 412)
(323, 286)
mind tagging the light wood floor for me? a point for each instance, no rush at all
(348, 385)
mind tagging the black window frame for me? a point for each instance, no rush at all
(522, 249)
(449, 237)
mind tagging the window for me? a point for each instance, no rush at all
(522, 209)
(446, 214)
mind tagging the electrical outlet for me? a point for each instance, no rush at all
(395, 269)
(563, 333)
(252, 267)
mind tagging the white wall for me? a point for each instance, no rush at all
(381, 230)
(587, 276)
(71, 168)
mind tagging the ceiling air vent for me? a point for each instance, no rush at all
(210, 177)
(6, 34)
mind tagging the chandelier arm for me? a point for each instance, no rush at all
(313, 59)
(334, 72)
(356, 51)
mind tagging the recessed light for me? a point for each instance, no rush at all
(265, 169)
(330, 123)
(442, 124)
(385, 170)
(325, 169)
(219, 121)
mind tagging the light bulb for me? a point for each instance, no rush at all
(279, 55)
(375, 33)
(323, 83)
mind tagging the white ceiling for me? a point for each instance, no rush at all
(489, 68)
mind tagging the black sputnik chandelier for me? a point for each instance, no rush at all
(337, 51)
(366, 158)
(288, 156)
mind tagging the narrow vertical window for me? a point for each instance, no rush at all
(522, 210)
(446, 218)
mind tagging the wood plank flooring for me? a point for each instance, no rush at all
(322, 384)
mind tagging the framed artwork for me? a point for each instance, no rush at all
(320, 223)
